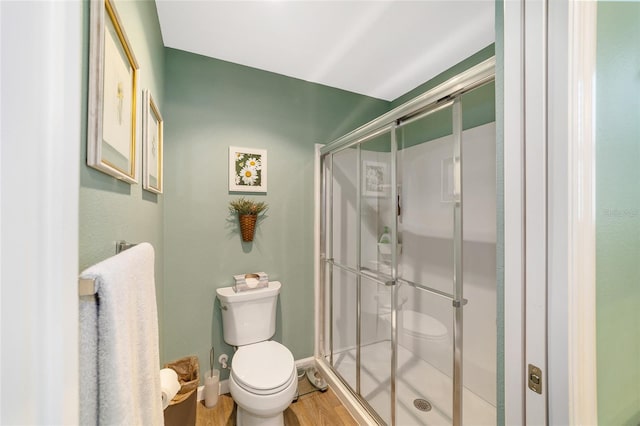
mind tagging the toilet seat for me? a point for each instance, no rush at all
(422, 325)
(263, 368)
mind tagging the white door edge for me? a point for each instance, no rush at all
(582, 247)
(41, 72)
(513, 215)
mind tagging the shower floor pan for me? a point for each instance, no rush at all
(416, 379)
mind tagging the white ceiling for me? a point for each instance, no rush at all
(377, 48)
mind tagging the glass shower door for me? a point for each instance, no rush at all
(392, 260)
(377, 222)
(342, 264)
(429, 277)
(359, 269)
(395, 269)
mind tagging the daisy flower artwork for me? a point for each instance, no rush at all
(247, 169)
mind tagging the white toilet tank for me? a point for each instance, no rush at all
(249, 316)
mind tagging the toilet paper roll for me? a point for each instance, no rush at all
(169, 384)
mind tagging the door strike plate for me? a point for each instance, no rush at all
(535, 379)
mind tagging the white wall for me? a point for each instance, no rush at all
(40, 128)
(427, 250)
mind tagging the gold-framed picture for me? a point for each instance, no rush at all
(113, 74)
(152, 128)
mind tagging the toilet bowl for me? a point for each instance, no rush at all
(263, 382)
(427, 338)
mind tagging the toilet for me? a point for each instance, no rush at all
(263, 379)
(427, 338)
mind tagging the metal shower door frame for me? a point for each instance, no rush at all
(444, 95)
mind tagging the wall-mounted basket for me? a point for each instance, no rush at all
(248, 212)
(247, 226)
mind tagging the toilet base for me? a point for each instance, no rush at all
(245, 418)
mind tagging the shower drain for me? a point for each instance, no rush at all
(422, 404)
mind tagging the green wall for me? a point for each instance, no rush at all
(210, 105)
(111, 210)
(618, 212)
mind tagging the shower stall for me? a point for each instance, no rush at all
(408, 257)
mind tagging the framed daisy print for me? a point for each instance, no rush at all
(247, 169)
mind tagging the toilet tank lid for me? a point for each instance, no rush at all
(228, 295)
(423, 324)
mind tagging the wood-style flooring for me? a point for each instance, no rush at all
(315, 408)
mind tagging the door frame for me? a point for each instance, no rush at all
(549, 292)
(572, 277)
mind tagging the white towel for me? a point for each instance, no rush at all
(119, 349)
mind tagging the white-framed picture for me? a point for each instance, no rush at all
(375, 179)
(247, 169)
(113, 73)
(152, 145)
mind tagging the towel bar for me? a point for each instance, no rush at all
(87, 286)
(122, 245)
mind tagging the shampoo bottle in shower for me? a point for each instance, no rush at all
(385, 238)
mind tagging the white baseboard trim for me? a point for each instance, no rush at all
(200, 393)
(305, 362)
(224, 384)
